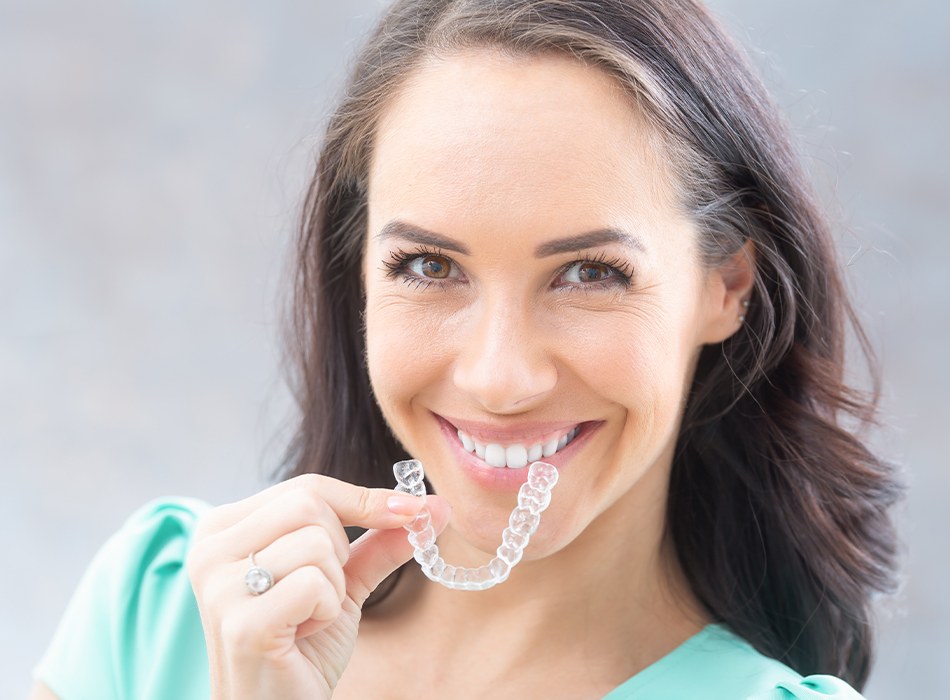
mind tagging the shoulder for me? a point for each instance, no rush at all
(155, 539)
(142, 564)
(164, 526)
(719, 665)
(133, 613)
(742, 672)
(818, 687)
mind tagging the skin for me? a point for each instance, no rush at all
(499, 157)
(502, 156)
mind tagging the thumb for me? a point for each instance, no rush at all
(377, 553)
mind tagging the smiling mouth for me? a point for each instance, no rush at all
(516, 455)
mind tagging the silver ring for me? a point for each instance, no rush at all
(256, 579)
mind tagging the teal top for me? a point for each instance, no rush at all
(132, 632)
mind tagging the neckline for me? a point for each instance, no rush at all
(667, 662)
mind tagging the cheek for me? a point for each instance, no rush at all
(405, 350)
(631, 356)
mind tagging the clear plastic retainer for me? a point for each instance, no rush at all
(533, 497)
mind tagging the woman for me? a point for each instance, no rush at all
(535, 225)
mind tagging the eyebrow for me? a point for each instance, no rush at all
(591, 239)
(571, 244)
(416, 234)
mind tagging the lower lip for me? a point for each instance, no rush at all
(505, 478)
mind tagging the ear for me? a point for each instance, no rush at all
(728, 291)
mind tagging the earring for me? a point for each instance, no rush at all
(745, 309)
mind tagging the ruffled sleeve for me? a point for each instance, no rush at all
(812, 688)
(132, 629)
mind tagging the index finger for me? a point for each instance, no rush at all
(370, 508)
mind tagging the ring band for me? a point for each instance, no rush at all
(256, 579)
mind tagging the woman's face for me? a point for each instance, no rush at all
(530, 283)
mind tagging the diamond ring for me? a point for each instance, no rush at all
(256, 579)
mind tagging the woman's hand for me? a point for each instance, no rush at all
(295, 640)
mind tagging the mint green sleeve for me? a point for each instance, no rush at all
(131, 629)
(813, 688)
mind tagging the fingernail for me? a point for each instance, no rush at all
(404, 504)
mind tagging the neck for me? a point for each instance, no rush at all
(615, 596)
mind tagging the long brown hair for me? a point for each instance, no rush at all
(777, 508)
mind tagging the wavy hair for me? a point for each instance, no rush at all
(778, 509)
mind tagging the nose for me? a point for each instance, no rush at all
(504, 363)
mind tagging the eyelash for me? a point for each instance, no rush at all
(397, 268)
(621, 269)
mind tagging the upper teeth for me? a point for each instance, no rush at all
(516, 456)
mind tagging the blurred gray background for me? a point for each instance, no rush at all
(152, 159)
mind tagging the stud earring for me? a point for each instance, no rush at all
(745, 308)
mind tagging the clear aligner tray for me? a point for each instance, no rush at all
(533, 497)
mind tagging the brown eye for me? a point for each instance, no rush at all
(435, 267)
(428, 268)
(593, 272)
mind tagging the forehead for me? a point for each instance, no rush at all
(481, 131)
